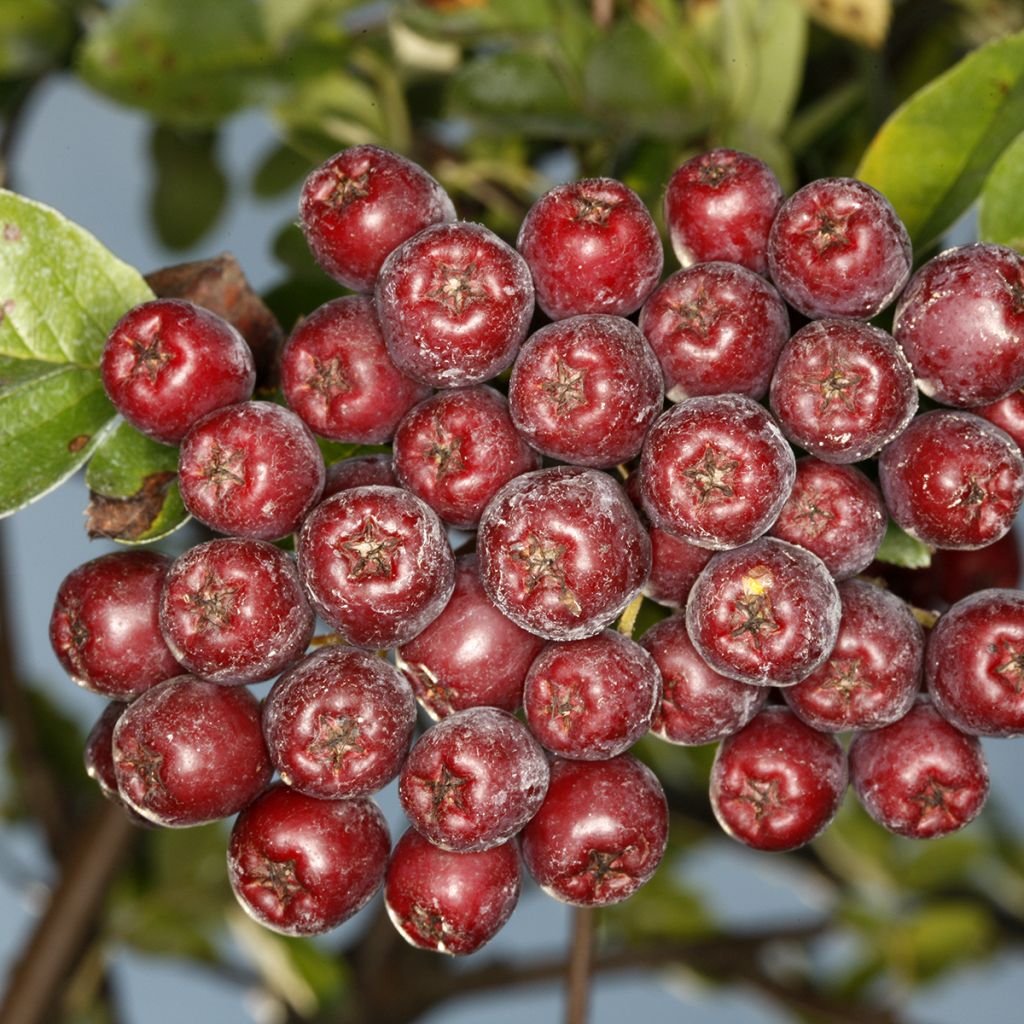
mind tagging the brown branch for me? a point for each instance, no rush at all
(581, 957)
(602, 12)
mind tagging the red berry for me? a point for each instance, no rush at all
(592, 247)
(301, 866)
(450, 902)
(874, 671)
(338, 377)
(837, 248)
(339, 723)
(1008, 415)
(377, 565)
(675, 566)
(562, 552)
(251, 470)
(767, 613)
(919, 777)
(716, 328)
(99, 753)
(473, 780)
(470, 655)
(168, 362)
(457, 449)
(105, 625)
(359, 471)
(600, 833)
(454, 302)
(585, 390)
(362, 203)
(777, 783)
(190, 751)
(234, 611)
(720, 206)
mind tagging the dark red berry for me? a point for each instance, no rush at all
(339, 723)
(585, 390)
(600, 833)
(251, 470)
(450, 902)
(592, 247)
(454, 302)
(105, 625)
(234, 611)
(362, 203)
(919, 777)
(301, 866)
(675, 566)
(716, 328)
(1008, 415)
(457, 449)
(473, 780)
(359, 471)
(168, 362)
(190, 751)
(377, 565)
(767, 613)
(838, 248)
(99, 754)
(777, 783)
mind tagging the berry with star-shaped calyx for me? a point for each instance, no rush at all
(339, 723)
(777, 783)
(473, 780)
(377, 565)
(301, 866)
(450, 902)
(234, 611)
(166, 363)
(600, 833)
(454, 303)
(920, 777)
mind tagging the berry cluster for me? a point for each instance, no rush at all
(584, 492)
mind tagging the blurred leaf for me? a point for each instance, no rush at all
(1001, 213)
(189, 187)
(34, 35)
(899, 548)
(473, 19)
(863, 21)
(283, 19)
(281, 170)
(931, 157)
(941, 862)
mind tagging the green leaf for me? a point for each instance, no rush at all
(34, 35)
(899, 548)
(932, 155)
(133, 480)
(280, 171)
(1001, 213)
(475, 20)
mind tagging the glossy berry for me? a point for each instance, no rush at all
(919, 777)
(362, 203)
(1007, 414)
(952, 480)
(336, 374)
(715, 328)
(716, 471)
(473, 780)
(168, 362)
(874, 671)
(842, 390)
(600, 833)
(591, 699)
(720, 206)
(975, 663)
(301, 866)
(454, 302)
(190, 751)
(697, 704)
(586, 389)
(562, 552)
(377, 565)
(360, 471)
(450, 902)
(838, 249)
(339, 723)
(105, 624)
(592, 247)
(836, 513)
(234, 611)
(457, 449)
(675, 566)
(98, 755)
(250, 470)
(777, 783)
(767, 613)
(471, 655)
(961, 323)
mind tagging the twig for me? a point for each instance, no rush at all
(602, 12)
(581, 956)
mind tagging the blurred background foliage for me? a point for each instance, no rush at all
(500, 99)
